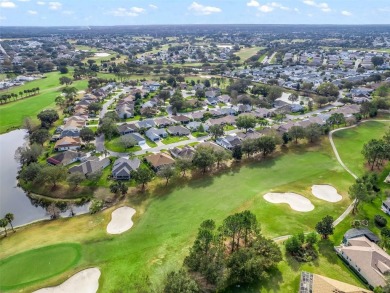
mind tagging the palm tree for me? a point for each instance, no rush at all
(3, 224)
(10, 217)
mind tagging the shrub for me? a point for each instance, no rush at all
(380, 221)
(96, 206)
(385, 232)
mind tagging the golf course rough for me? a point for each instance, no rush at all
(37, 265)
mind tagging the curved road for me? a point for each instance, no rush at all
(350, 207)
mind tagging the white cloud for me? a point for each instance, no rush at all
(133, 11)
(41, 3)
(32, 12)
(296, 10)
(346, 13)
(7, 4)
(68, 12)
(24, 0)
(323, 6)
(153, 6)
(2, 18)
(253, 3)
(280, 6)
(55, 5)
(200, 9)
(265, 8)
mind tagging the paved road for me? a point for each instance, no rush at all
(350, 207)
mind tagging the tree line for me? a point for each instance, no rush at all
(7, 97)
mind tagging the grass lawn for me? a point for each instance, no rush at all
(228, 127)
(173, 139)
(115, 145)
(38, 264)
(199, 134)
(12, 114)
(350, 143)
(150, 143)
(168, 218)
(245, 53)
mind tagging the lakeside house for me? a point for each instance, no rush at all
(159, 160)
(92, 165)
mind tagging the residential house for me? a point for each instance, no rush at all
(67, 143)
(159, 160)
(359, 232)
(162, 122)
(262, 113)
(181, 119)
(227, 120)
(250, 134)
(198, 115)
(71, 132)
(224, 99)
(125, 109)
(386, 206)
(194, 126)
(229, 141)
(137, 137)
(127, 128)
(212, 101)
(92, 165)
(366, 258)
(243, 108)
(150, 85)
(209, 144)
(121, 170)
(313, 283)
(146, 124)
(155, 134)
(66, 158)
(187, 152)
(178, 130)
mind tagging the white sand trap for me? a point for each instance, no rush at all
(86, 281)
(326, 192)
(120, 220)
(297, 202)
(102, 54)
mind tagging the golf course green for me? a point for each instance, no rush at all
(167, 220)
(38, 264)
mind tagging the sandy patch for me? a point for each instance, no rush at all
(120, 220)
(326, 192)
(297, 202)
(86, 281)
(102, 54)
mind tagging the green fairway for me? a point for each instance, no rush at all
(350, 143)
(167, 220)
(37, 265)
(245, 53)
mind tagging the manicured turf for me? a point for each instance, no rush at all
(167, 221)
(115, 145)
(350, 143)
(245, 53)
(173, 139)
(37, 264)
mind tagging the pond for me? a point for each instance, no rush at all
(13, 199)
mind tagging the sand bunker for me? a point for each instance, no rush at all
(102, 54)
(120, 220)
(297, 202)
(86, 281)
(326, 192)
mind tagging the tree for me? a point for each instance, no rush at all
(375, 151)
(377, 60)
(246, 122)
(328, 89)
(47, 117)
(336, 119)
(325, 227)
(237, 152)
(216, 131)
(142, 176)
(166, 172)
(203, 158)
(28, 154)
(293, 98)
(119, 187)
(65, 80)
(74, 179)
(127, 141)
(286, 138)
(63, 69)
(313, 132)
(180, 282)
(29, 124)
(30, 172)
(108, 127)
(266, 145)
(220, 156)
(60, 101)
(274, 93)
(87, 134)
(296, 132)
(3, 224)
(39, 136)
(183, 165)
(358, 192)
(52, 174)
(10, 217)
(94, 107)
(310, 105)
(248, 147)
(53, 211)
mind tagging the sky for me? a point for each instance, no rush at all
(143, 12)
